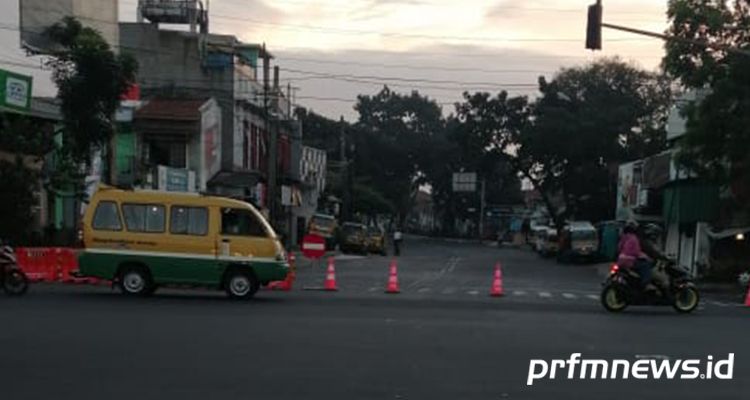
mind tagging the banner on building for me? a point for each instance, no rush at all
(210, 141)
(15, 91)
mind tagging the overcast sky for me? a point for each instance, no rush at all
(332, 50)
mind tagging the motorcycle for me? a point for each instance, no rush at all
(12, 279)
(673, 287)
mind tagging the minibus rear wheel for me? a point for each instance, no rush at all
(135, 280)
(241, 285)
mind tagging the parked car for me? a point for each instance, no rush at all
(353, 238)
(547, 243)
(376, 242)
(325, 226)
(579, 241)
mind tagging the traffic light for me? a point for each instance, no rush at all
(594, 27)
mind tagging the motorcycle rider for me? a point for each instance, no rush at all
(632, 256)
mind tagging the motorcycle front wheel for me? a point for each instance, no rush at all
(686, 299)
(15, 283)
(613, 300)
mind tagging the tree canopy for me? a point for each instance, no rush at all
(90, 79)
(570, 140)
(717, 135)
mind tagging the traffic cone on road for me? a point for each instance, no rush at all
(747, 297)
(286, 284)
(393, 279)
(330, 284)
(497, 282)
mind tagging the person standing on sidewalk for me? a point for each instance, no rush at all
(397, 238)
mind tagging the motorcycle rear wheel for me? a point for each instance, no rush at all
(686, 299)
(613, 300)
(15, 283)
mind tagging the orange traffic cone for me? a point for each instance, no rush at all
(497, 282)
(393, 279)
(747, 297)
(330, 284)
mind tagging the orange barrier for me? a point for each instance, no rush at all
(37, 263)
(50, 264)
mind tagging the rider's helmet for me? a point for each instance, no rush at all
(630, 227)
(652, 231)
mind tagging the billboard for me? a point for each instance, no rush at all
(210, 141)
(35, 16)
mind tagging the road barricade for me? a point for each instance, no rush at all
(37, 263)
(50, 264)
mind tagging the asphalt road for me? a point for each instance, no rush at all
(443, 337)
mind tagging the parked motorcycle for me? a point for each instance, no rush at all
(673, 287)
(12, 279)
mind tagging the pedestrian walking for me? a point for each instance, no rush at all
(397, 238)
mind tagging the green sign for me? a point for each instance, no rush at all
(15, 91)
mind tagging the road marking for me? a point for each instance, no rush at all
(719, 303)
(473, 292)
(424, 290)
(592, 296)
(569, 296)
(519, 293)
(545, 294)
(372, 289)
(449, 291)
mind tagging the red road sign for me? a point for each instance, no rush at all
(313, 246)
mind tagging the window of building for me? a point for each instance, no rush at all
(148, 218)
(170, 152)
(188, 220)
(107, 217)
(236, 222)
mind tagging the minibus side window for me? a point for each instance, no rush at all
(238, 222)
(188, 220)
(148, 218)
(106, 217)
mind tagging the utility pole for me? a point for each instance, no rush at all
(346, 205)
(481, 210)
(272, 130)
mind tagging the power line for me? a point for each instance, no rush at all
(401, 79)
(329, 30)
(415, 67)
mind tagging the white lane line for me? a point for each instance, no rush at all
(372, 289)
(719, 303)
(449, 291)
(423, 290)
(569, 296)
(519, 293)
(473, 292)
(545, 294)
(592, 296)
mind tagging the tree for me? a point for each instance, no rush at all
(90, 79)
(393, 138)
(717, 135)
(24, 141)
(568, 142)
